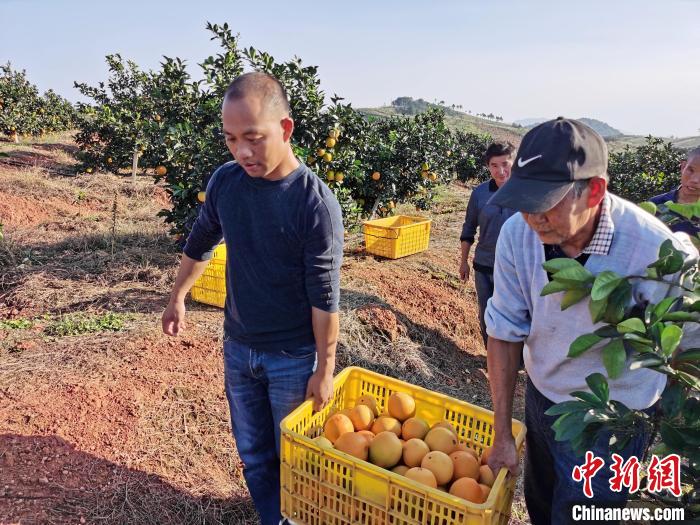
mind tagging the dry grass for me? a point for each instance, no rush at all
(135, 499)
(178, 465)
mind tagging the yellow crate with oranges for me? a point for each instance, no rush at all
(330, 476)
(396, 237)
(210, 288)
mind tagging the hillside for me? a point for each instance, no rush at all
(503, 131)
(605, 129)
(462, 121)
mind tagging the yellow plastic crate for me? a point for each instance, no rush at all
(395, 237)
(210, 288)
(321, 486)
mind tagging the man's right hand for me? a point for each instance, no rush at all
(173, 319)
(464, 270)
(504, 454)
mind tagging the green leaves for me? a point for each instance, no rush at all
(604, 285)
(556, 265)
(632, 325)
(583, 343)
(568, 426)
(689, 211)
(599, 386)
(554, 287)
(614, 357)
(567, 406)
(670, 339)
(572, 297)
(648, 207)
(670, 259)
(574, 275)
(597, 309)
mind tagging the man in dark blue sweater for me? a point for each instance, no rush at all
(284, 233)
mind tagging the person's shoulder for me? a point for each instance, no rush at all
(641, 228)
(484, 187)
(664, 197)
(316, 191)
(635, 221)
(312, 183)
(515, 227)
(226, 172)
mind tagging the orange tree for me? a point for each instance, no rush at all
(659, 336)
(174, 124)
(23, 111)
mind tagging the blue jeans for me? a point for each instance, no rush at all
(262, 388)
(550, 490)
(483, 282)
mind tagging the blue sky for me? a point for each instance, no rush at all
(632, 63)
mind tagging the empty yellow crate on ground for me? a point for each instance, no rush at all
(210, 288)
(395, 237)
(323, 486)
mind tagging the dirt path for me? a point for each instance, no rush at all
(102, 418)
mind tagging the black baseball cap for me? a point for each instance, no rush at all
(551, 157)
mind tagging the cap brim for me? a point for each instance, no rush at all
(530, 195)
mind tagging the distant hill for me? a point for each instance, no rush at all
(605, 130)
(454, 118)
(499, 130)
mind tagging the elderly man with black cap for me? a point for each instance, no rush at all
(559, 184)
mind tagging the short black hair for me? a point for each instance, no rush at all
(269, 88)
(498, 148)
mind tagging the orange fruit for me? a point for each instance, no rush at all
(320, 152)
(323, 442)
(414, 450)
(422, 475)
(362, 417)
(485, 490)
(444, 424)
(414, 427)
(400, 470)
(354, 444)
(386, 423)
(339, 176)
(486, 475)
(485, 455)
(465, 465)
(385, 450)
(367, 434)
(376, 175)
(368, 400)
(161, 170)
(327, 157)
(467, 488)
(336, 426)
(201, 196)
(330, 176)
(330, 142)
(439, 464)
(441, 439)
(401, 406)
(465, 448)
